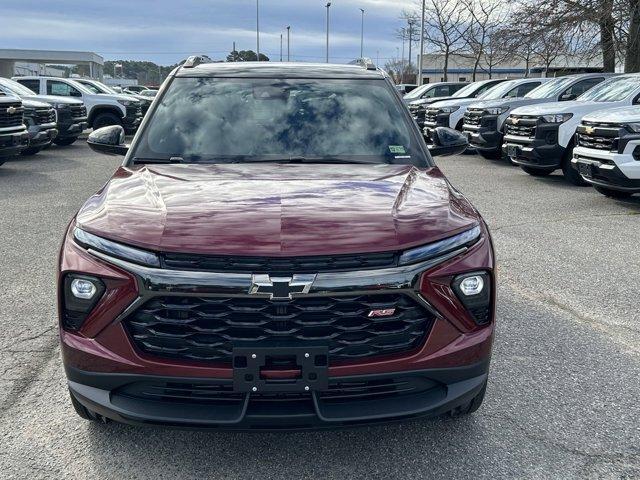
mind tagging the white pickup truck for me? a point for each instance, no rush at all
(540, 138)
(607, 151)
(102, 110)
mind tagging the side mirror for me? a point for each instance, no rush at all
(109, 140)
(447, 141)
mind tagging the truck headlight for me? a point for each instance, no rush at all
(634, 127)
(496, 110)
(441, 247)
(557, 117)
(127, 103)
(449, 109)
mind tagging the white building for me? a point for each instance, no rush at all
(21, 62)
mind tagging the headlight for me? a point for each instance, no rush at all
(442, 247)
(557, 117)
(496, 110)
(127, 103)
(60, 106)
(449, 109)
(81, 293)
(634, 127)
(114, 249)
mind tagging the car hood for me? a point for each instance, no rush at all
(428, 101)
(508, 102)
(27, 103)
(455, 102)
(574, 106)
(615, 115)
(276, 209)
(54, 99)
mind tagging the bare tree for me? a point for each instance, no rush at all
(445, 28)
(485, 20)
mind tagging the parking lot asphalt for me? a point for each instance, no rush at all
(563, 395)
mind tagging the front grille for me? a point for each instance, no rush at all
(417, 112)
(600, 136)
(134, 110)
(431, 116)
(207, 329)
(44, 115)
(314, 264)
(78, 111)
(473, 117)
(521, 126)
(11, 119)
(221, 393)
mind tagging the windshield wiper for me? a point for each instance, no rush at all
(158, 160)
(301, 159)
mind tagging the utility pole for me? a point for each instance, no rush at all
(420, 60)
(288, 43)
(362, 36)
(281, 47)
(410, 40)
(258, 29)
(404, 32)
(328, 5)
(378, 58)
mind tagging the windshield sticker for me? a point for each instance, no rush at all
(397, 149)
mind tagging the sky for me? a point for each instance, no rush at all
(166, 31)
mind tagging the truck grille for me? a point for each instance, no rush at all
(417, 112)
(314, 264)
(78, 111)
(44, 115)
(134, 111)
(473, 117)
(521, 126)
(11, 119)
(600, 136)
(431, 116)
(207, 328)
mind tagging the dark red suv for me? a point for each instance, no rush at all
(277, 251)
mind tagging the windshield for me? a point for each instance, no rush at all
(499, 90)
(16, 88)
(467, 90)
(551, 89)
(97, 87)
(615, 89)
(233, 120)
(416, 92)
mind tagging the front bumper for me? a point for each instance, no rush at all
(73, 128)
(353, 400)
(616, 171)
(103, 357)
(484, 138)
(533, 152)
(12, 143)
(42, 135)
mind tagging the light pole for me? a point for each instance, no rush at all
(362, 36)
(410, 40)
(281, 47)
(328, 5)
(288, 43)
(258, 29)
(420, 60)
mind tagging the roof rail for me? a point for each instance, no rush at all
(367, 63)
(195, 60)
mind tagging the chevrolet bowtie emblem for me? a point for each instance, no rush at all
(589, 130)
(11, 110)
(281, 288)
(515, 120)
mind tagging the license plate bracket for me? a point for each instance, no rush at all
(252, 373)
(585, 169)
(512, 151)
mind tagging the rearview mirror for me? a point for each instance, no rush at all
(109, 140)
(447, 141)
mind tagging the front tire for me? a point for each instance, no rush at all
(84, 412)
(537, 172)
(105, 119)
(471, 406)
(571, 174)
(608, 192)
(64, 142)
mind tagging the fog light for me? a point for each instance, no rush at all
(83, 289)
(472, 285)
